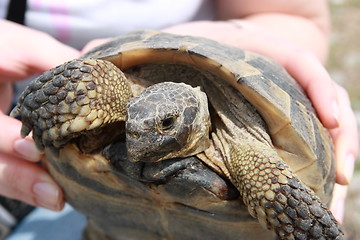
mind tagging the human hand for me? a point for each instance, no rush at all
(334, 109)
(21, 177)
(329, 99)
(93, 43)
(25, 52)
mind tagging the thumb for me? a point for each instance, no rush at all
(20, 177)
(51, 53)
(25, 51)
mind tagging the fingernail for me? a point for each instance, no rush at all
(47, 195)
(335, 109)
(27, 149)
(349, 167)
(338, 211)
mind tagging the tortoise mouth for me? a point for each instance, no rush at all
(178, 172)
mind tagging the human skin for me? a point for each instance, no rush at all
(278, 29)
(25, 52)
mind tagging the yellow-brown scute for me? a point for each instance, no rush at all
(82, 94)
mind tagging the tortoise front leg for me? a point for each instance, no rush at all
(277, 197)
(73, 98)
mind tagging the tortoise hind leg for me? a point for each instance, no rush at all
(277, 198)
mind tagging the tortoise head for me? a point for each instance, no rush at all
(167, 120)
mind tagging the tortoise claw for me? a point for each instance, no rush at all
(277, 198)
(66, 101)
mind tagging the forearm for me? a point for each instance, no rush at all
(298, 31)
(251, 36)
(302, 22)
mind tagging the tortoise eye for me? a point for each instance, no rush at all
(167, 123)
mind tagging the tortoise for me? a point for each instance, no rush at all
(160, 136)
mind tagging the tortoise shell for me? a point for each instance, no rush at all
(293, 125)
(184, 198)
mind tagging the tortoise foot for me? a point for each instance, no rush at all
(82, 94)
(277, 198)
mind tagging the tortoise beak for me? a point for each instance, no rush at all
(148, 145)
(138, 151)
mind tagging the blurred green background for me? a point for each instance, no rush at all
(344, 68)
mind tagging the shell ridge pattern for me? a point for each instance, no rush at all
(73, 99)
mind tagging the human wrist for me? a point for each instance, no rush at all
(294, 29)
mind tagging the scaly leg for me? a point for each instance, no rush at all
(77, 97)
(277, 198)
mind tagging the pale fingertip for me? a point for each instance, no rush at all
(338, 209)
(330, 115)
(27, 149)
(336, 114)
(349, 168)
(48, 195)
(345, 172)
(337, 206)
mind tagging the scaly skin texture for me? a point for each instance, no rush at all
(85, 95)
(276, 197)
(80, 95)
(271, 191)
(166, 121)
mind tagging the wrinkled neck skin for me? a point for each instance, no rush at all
(231, 114)
(234, 121)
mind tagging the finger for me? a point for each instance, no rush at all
(346, 139)
(29, 182)
(337, 205)
(94, 43)
(13, 144)
(318, 85)
(53, 54)
(25, 51)
(25, 63)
